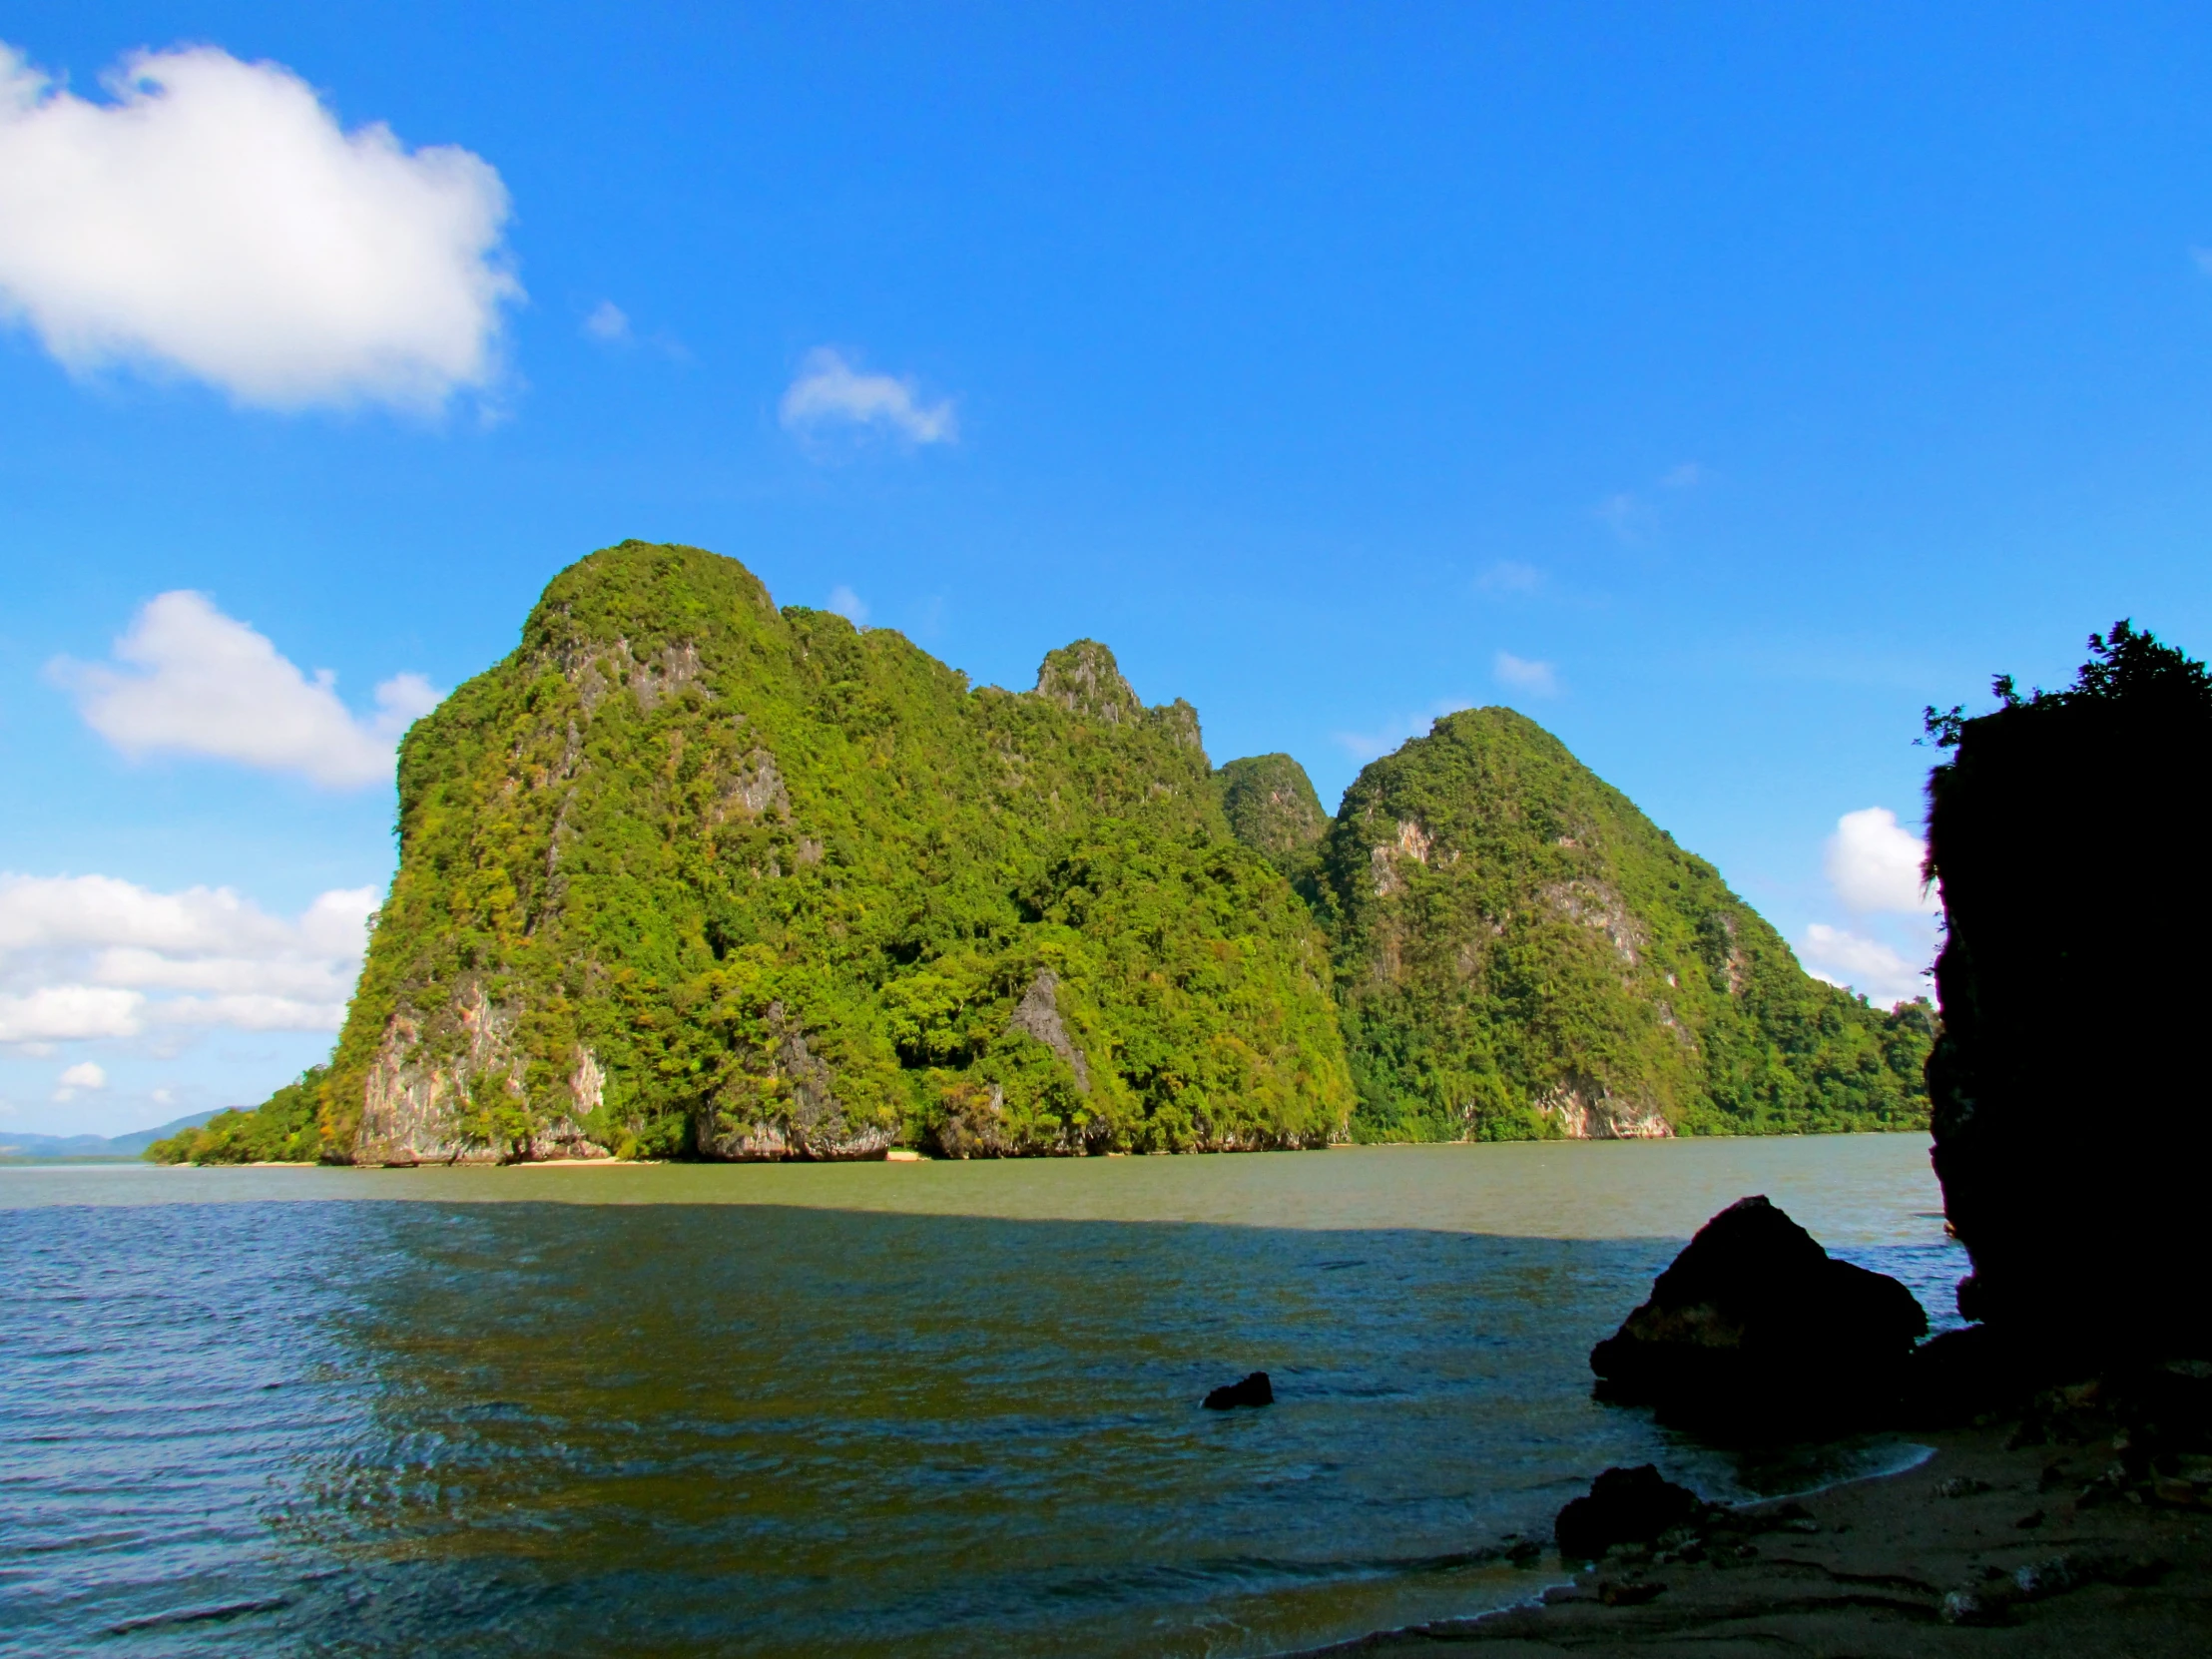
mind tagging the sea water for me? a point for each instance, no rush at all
(865, 1409)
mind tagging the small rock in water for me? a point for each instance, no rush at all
(1624, 1506)
(1633, 1592)
(1252, 1390)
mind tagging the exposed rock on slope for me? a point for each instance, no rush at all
(2067, 831)
(1520, 951)
(687, 873)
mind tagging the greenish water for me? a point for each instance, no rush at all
(874, 1408)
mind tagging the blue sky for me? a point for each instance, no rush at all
(1716, 383)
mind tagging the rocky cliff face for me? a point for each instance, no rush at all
(1520, 951)
(691, 874)
(2067, 834)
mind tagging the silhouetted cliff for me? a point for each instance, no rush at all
(2069, 833)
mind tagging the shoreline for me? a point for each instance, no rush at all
(1923, 1561)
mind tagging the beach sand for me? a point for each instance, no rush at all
(1865, 1570)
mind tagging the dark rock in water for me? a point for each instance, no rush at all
(1252, 1390)
(2067, 831)
(1755, 1330)
(1624, 1506)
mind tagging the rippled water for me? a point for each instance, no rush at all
(865, 1409)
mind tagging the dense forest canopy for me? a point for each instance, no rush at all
(689, 875)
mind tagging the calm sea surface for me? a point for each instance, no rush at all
(863, 1409)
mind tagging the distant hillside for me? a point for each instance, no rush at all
(94, 1146)
(1519, 951)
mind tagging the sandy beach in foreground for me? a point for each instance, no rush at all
(1865, 1570)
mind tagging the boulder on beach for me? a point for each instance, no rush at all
(1253, 1390)
(1755, 1331)
(1624, 1506)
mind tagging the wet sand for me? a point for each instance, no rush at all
(1865, 1570)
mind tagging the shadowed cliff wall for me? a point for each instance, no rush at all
(2070, 835)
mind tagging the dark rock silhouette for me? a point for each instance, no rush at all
(2068, 832)
(1757, 1331)
(1624, 1506)
(1253, 1390)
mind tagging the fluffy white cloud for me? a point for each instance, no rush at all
(213, 218)
(86, 956)
(1537, 678)
(830, 393)
(1868, 967)
(206, 684)
(1873, 864)
(83, 1075)
(60, 1013)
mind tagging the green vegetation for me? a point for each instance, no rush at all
(1521, 953)
(282, 1130)
(689, 876)
(688, 873)
(1272, 808)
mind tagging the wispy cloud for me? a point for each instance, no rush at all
(188, 680)
(608, 322)
(1874, 969)
(1511, 576)
(1521, 674)
(1369, 745)
(1686, 476)
(1625, 515)
(829, 393)
(848, 605)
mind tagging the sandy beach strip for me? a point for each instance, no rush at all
(1929, 1561)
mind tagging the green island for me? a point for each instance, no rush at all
(691, 876)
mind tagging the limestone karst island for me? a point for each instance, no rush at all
(692, 875)
(1142, 832)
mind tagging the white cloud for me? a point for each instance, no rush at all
(63, 1014)
(1368, 746)
(206, 684)
(1624, 516)
(848, 605)
(1873, 864)
(92, 956)
(608, 323)
(1868, 967)
(1511, 576)
(215, 219)
(1686, 476)
(1537, 678)
(83, 1075)
(829, 392)
(2203, 256)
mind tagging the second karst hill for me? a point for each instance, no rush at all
(688, 875)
